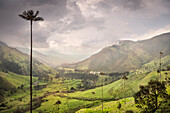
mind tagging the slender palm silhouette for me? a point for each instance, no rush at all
(102, 74)
(124, 78)
(166, 78)
(160, 65)
(31, 16)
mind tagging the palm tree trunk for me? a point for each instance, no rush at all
(31, 72)
(124, 92)
(102, 93)
(160, 68)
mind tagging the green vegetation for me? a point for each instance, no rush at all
(57, 89)
(14, 61)
(150, 97)
(111, 107)
(126, 56)
(79, 90)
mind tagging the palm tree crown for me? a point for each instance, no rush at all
(29, 15)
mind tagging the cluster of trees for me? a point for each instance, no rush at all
(152, 97)
(12, 66)
(45, 78)
(39, 87)
(119, 74)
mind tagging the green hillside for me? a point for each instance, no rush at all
(127, 55)
(14, 61)
(80, 90)
(115, 90)
(16, 80)
(80, 101)
(111, 107)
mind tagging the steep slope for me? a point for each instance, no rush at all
(127, 55)
(14, 61)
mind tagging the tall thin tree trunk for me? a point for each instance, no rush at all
(124, 92)
(68, 99)
(31, 72)
(160, 67)
(102, 93)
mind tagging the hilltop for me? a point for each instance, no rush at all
(127, 55)
(17, 62)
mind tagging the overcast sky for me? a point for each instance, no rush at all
(82, 27)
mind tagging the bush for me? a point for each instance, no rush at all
(129, 111)
(3, 105)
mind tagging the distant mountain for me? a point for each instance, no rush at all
(51, 58)
(126, 55)
(2, 43)
(17, 62)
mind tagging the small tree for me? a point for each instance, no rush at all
(129, 111)
(149, 97)
(58, 103)
(93, 99)
(119, 106)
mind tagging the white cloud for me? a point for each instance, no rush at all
(151, 33)
(85, 26)
(89, 8)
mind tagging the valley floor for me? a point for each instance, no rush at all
(79, 101)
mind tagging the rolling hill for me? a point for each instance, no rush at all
(17, 62)
(127, 55)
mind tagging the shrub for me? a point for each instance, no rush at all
(129, 111)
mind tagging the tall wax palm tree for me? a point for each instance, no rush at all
(160, 65)
(166, 77)
(124, 78)
(31, 16)
(102, 74)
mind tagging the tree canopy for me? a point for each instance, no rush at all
(150, 97)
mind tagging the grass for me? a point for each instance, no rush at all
(116, 88)
(111, 107)
(16, 80)
(82, 100)
(49, 106)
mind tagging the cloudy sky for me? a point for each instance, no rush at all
(82, 27)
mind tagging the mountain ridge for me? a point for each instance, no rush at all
(127, 55)
(17, 62)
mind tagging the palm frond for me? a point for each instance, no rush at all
(38, 19)
(24, 13)
(37, 12)
(23, 16)
(30, 12)
(29, 15)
